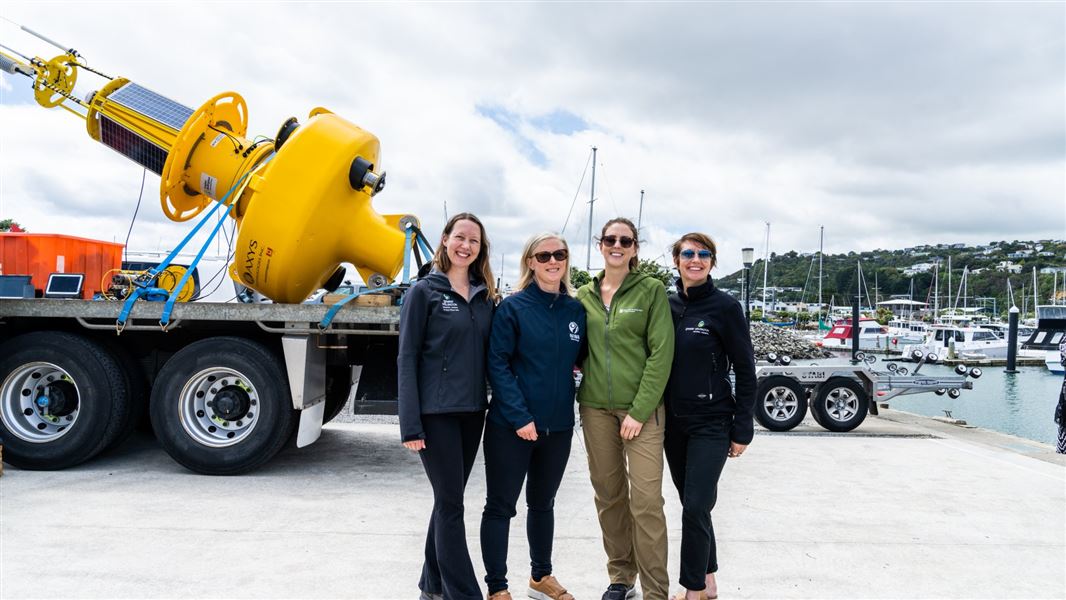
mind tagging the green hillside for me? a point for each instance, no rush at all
(889, 268)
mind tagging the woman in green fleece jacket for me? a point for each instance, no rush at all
(631, 348)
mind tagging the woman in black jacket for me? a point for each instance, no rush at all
(444, 333)
(705, 420)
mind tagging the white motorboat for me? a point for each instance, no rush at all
(966, 342)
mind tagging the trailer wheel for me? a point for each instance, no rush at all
(780, 403)
(841, 404)
(63, 399)
(221, 406)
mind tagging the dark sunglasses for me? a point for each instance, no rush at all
(690, 254)
(609, 240)
(558, 255)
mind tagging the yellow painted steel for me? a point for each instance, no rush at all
(304, 218)
(299, 216)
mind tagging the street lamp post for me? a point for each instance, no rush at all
(748, 257)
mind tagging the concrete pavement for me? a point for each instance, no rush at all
(903, 507)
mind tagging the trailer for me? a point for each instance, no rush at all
(224, 386)
(840, 396)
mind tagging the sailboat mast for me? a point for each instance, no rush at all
(765, 271)
(1036, 299)
(592, 200)
(640, 211)
(821, 242)
(936, 291)
(949, 285)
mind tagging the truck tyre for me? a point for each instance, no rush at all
(63, 399)
(221, 406)
(841, 404)
(780, 403)
(136, 390)
(338, 388)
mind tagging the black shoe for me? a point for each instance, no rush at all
(619, 591)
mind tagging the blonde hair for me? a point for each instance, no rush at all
(525, 274)
(480, 267)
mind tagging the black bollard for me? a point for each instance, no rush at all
(1012, 339)
(855, 332)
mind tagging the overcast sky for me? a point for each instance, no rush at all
(891, 124)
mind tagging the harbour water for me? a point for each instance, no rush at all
(1021, 404)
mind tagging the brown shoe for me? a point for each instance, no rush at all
(548, 588)
(500, 595)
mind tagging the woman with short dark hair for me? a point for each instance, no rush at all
(706, 422)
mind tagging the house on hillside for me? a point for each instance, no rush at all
(1050, 270)
(1008, 266)
(1020, 254)
(914, 269)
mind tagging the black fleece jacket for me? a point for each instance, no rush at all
(444, 341)
(710, 337)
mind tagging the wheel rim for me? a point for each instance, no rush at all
(841, 404)
(40, 402)
(780, 403)
(219, 407)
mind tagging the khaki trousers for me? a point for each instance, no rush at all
(627, 477)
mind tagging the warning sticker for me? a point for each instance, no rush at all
(218, 138)
(209, 186)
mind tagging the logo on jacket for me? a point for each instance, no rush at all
(625, 311)
(700, 324)
(448, 305)
(574, 337)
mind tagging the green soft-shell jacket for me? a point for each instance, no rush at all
(630, 349)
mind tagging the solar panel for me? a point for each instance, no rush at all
(132, 146)
(152, 105)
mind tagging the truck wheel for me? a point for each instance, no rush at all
(63, 399)
(221, 406)
(780, 403)
(841, 404)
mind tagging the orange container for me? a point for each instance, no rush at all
(41, 254)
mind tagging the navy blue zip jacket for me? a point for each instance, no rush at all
(710, 337)
(536, 340)
(443, 344)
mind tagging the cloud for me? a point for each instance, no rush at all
(890, 124)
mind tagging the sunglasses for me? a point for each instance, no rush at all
(610, 240)
(690, 254)
(558, 255)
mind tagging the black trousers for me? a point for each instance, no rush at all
(451, 445)
(510, 460)
(696, 450)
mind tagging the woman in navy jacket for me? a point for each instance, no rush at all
(444, 332)
(705, 420)
(537, 335)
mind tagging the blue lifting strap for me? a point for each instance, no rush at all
(153, 293)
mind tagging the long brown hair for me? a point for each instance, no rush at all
(633, 262)
(481, 266)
